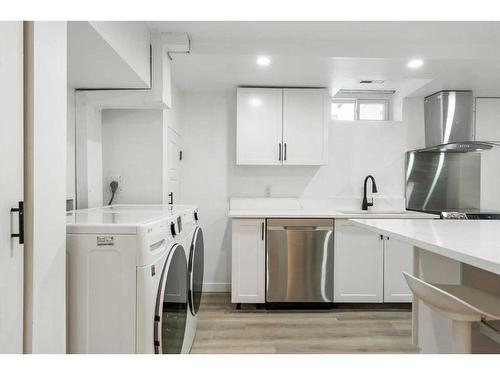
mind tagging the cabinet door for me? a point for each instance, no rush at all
(398, 257)
(305, 126)
(259, 126)
(248, 261)
(358, 264)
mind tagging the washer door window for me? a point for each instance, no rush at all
(171, 304)
(196, 270)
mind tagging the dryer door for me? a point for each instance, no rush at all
(171, 304)
(196, 271)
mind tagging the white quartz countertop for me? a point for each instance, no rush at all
(474, 242)
(326, 213)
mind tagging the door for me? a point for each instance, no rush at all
(248, 261)
(174, 167)
(11, 182)
(259, 126)
(358, 264)
(172, 304)
(195, 267)
(398, 258)
(299, 260)
(305, 127)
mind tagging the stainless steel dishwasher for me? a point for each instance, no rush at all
(299, 260)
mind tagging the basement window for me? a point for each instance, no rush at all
(360, 109)
(344, 110)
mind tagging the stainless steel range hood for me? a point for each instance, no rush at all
(449, 125)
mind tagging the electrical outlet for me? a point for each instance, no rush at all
(115, 178)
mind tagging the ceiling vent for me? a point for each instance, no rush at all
(372, 81)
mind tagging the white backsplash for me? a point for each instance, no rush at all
(337, 204)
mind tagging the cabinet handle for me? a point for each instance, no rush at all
(285, 152)
(262, 231)
(279, 151)
(381, 237)
(171, 197)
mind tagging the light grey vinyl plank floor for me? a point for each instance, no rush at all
(223, 329)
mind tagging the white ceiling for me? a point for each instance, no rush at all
(457, 55)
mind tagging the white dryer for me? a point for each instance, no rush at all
(192, 238)
(127, 283)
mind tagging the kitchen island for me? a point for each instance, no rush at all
(465, 253)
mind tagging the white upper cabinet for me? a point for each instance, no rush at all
(259, 126)
(305, 127)
(282, 126)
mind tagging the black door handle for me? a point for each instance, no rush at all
(20, 210)
(279, 152)
(171, 197)
(285, 152)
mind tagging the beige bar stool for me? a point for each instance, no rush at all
(460, 303)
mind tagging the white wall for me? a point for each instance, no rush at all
(45, 188)
(131, 40)
(210, 176)
(132, 147)
(205, 179)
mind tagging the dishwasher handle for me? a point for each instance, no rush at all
(298, 228)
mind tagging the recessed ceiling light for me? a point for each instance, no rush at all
(263, 61)
(415, 63)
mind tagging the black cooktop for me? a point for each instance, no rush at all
(483, 216)
(461, 215)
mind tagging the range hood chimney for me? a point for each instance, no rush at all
(449, 125)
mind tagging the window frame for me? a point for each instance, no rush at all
(385, 102)
(357, 103)
(346, 100)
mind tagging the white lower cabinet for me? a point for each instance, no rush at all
(248, 261)
(398, 257)
(368, 267)
(358, 264)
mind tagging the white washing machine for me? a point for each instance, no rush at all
(127, 283)
(190, 235)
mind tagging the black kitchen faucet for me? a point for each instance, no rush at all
(367, 204)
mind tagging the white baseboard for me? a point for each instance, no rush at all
(216, 287)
